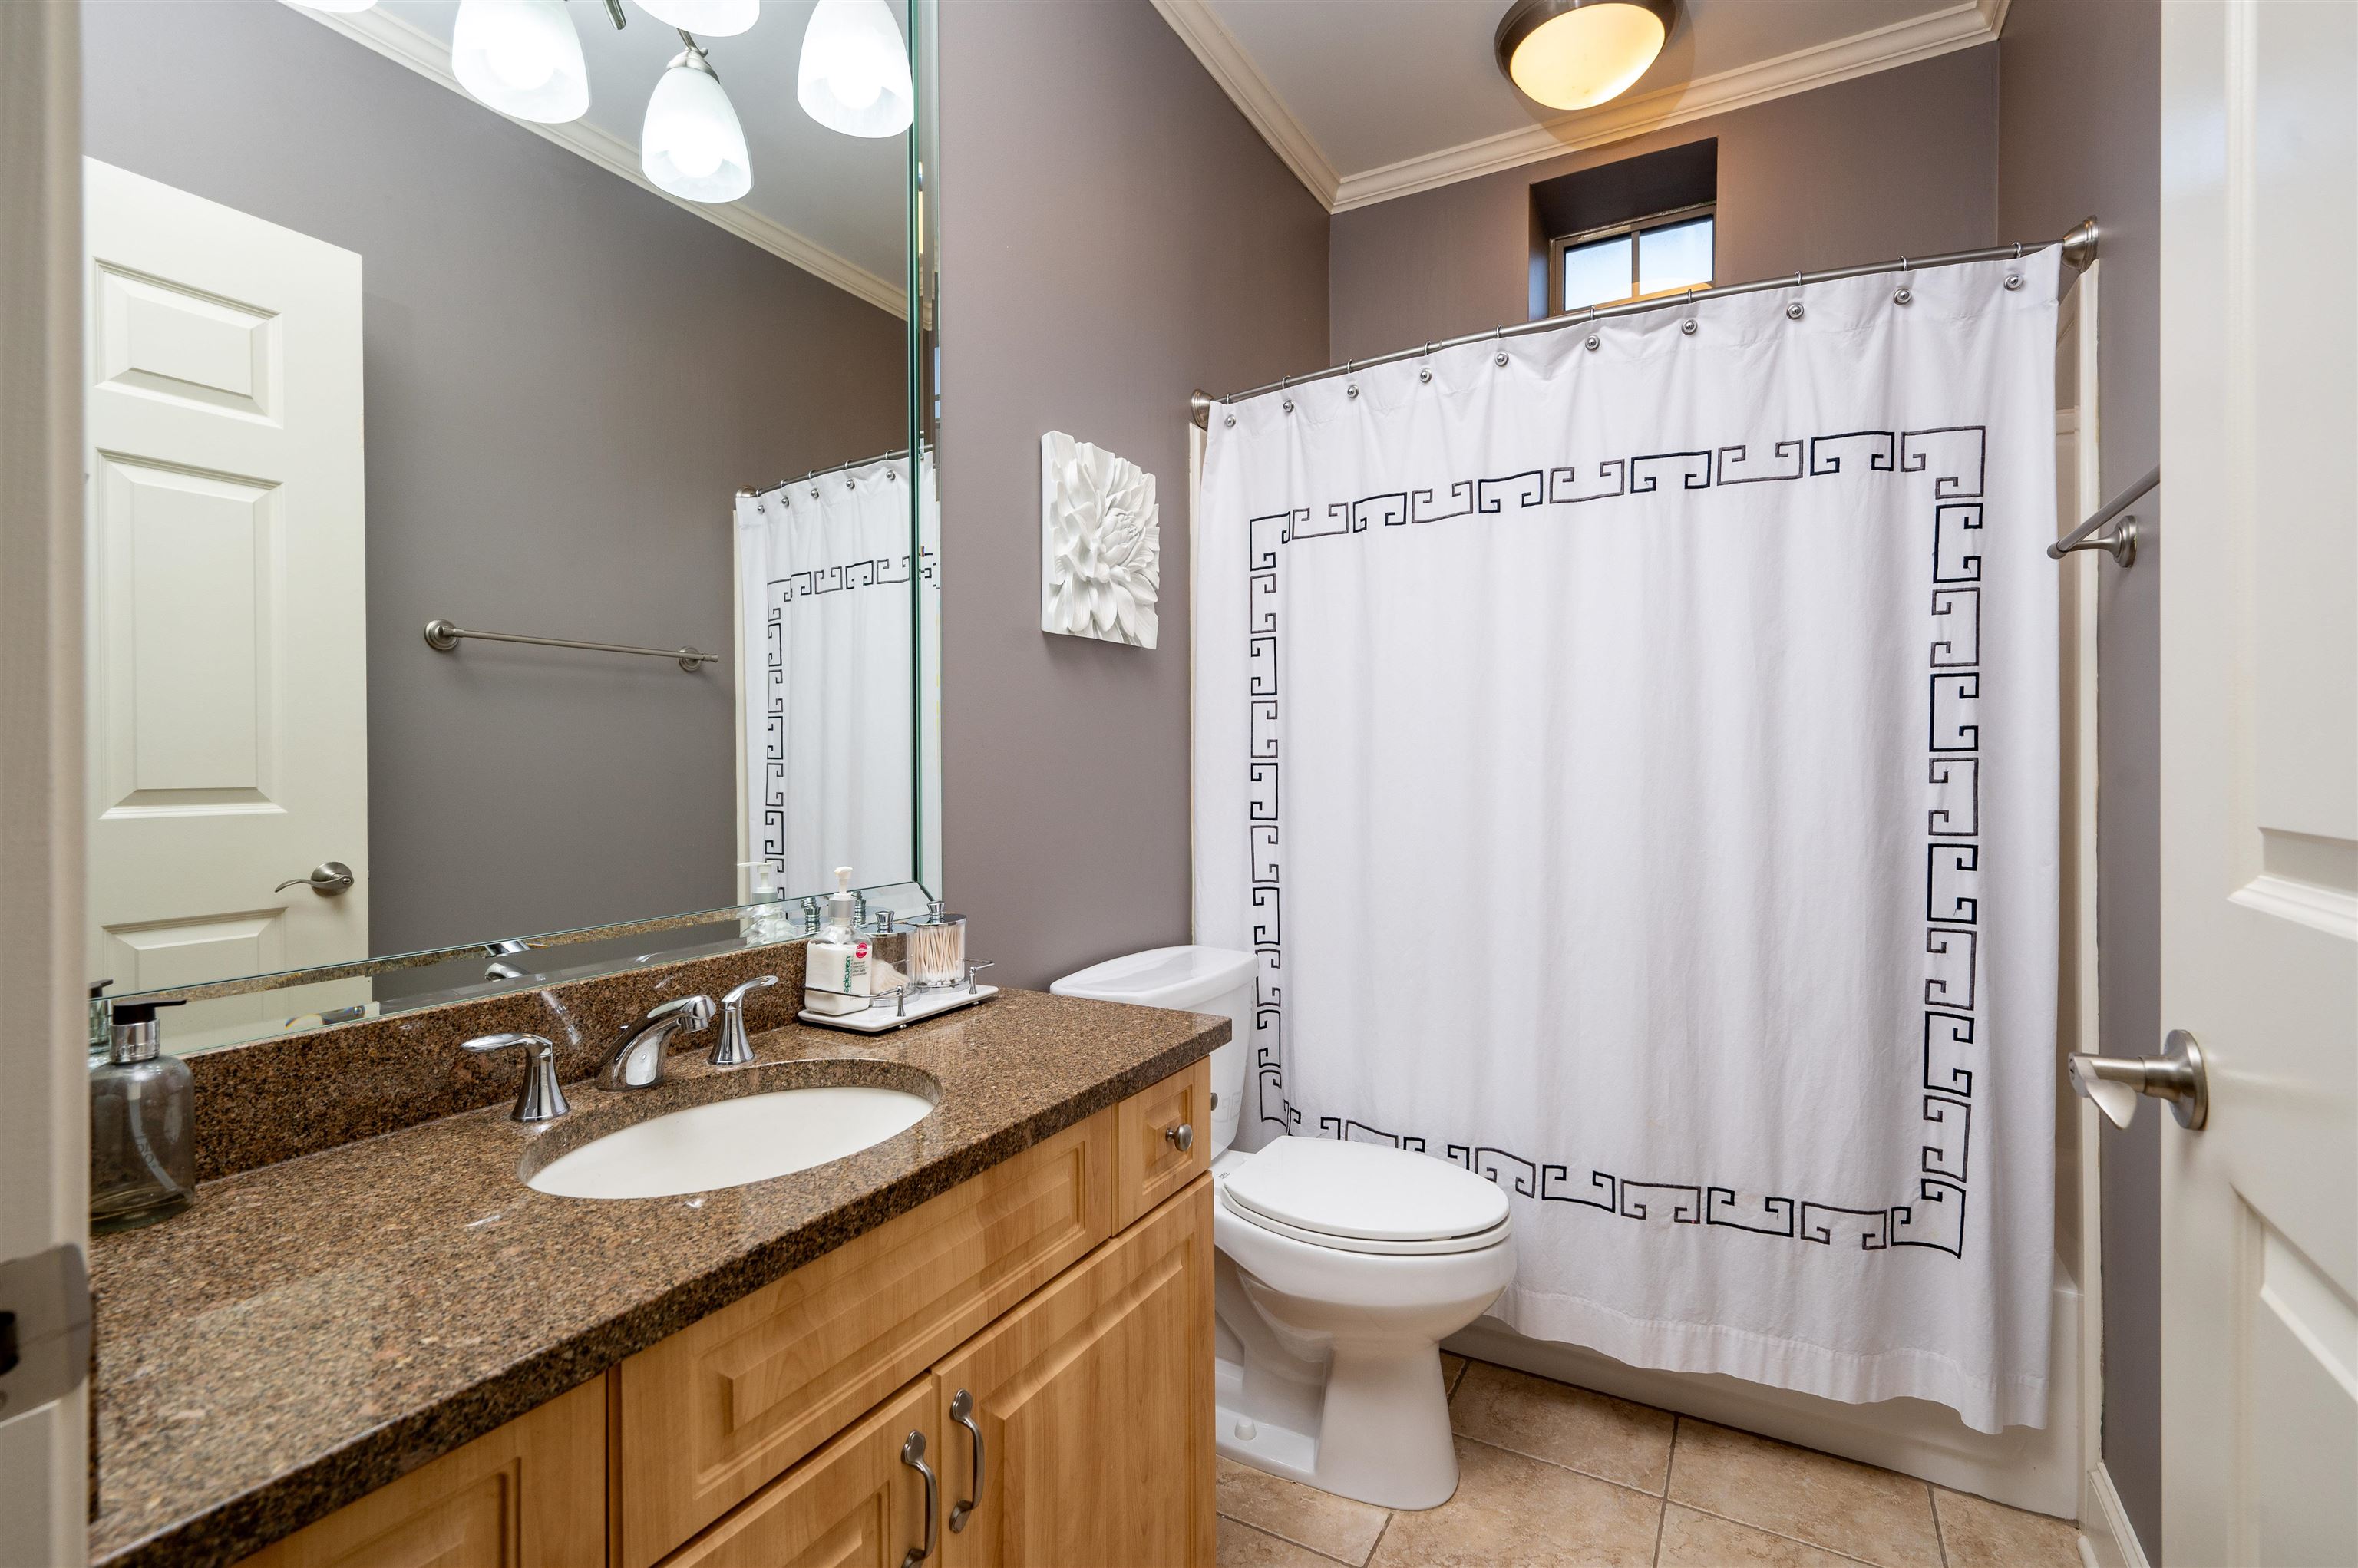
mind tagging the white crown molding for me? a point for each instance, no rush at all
(1958, 25)
(1217, 47)
(409, 45)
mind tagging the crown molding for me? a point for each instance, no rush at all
(406, 44)
(1962, 25)
(1208, 38)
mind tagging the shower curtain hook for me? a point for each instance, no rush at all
(1498, 335)
(2018, 249)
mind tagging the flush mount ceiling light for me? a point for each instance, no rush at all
(521, 56)
(691, 144)
(855, 70)
(713, 19)
(1576, 54)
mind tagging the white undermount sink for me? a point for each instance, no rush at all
(726, 1144)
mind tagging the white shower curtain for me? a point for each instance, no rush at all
(1635, 767)
(823, 602)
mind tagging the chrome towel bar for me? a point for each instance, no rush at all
(443, 637)
(2121, 543)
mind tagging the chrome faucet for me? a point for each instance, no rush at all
(637, 1061)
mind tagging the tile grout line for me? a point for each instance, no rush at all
(1940, 1535)
(1324, 1556)
(1383, 1530)
(1662, 1518)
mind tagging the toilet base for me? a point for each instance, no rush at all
(1377, 1431)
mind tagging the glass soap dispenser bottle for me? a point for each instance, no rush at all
(143, 1146)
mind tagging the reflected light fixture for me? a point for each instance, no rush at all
(341, 7)
(855, 70)
(1576, 54)
(521, 56)
(691, 144)
(713, 19)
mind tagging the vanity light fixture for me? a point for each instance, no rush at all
(713, 19)
(855, 70)
(692, 145)
(1576, 54)
(521, 57)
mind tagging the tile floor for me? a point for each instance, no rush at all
(1552, 1475)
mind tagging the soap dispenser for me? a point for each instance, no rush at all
(142, 1145)
(836, 962)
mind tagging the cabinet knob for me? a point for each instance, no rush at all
(1182, 1137)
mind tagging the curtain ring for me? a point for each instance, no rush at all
(2018, 249)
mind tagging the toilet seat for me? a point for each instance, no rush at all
(1364, 1197)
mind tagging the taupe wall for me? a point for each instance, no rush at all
(1900, 162)
(2078, 134)
(568, 377)
(1114, 235)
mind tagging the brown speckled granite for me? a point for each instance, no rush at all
(297, 1094)
(316, 1328)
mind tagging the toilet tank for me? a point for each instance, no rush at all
(1192, 979)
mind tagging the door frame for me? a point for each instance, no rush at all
(44, 1124)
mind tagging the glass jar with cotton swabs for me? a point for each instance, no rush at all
(909, 970)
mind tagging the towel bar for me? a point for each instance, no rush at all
(443, 637)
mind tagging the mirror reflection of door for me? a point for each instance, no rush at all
(228, 675)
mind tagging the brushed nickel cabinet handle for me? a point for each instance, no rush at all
(962, 1412)
(912, 1454)
(1182, 1137)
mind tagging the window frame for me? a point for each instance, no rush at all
(1633, 228)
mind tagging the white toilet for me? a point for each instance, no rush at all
(1342, 1265)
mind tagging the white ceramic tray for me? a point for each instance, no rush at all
(881, 1020)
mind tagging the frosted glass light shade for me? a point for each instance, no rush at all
(855, 70)
(706, 19)
(1576, 54)
(521, 56)
(692, 145)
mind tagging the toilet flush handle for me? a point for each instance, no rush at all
(1182, 1137)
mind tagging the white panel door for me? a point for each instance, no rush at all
(2259, 778)
(228, 681)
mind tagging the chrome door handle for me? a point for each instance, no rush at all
(912, 1454)
(328, 879)
(962, 1412)
(2178, 1076)
(1182, 1137)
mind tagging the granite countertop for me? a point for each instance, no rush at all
(314, 1329)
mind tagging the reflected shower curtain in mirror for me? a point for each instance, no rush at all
(1632, 751)
(826, 654)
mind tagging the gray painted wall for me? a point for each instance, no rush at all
(568, 377)
(1900, 162)
(2080, 134)
(1114, 235)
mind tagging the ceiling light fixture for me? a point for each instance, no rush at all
(691, 144)
(855, 70)
(1576, 54)
(521, 56)
(713, 19)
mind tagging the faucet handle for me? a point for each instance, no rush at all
(694, 1012)
(541, 1099)
(734, 1050)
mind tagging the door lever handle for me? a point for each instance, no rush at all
(328, 879)
(2178, 1076)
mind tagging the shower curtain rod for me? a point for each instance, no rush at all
(2079, 250)
(822, 473)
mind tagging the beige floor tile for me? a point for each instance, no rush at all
(1690, 1539)
(1590, 1433)
(1452, 1369)
(1513, 1509)
(1856, 1509)
(1978, 1533)
(1243, 1546)
(1321, 1521)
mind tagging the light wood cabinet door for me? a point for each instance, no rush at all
(1149, 1164)
(718, 1409)
(854, 1504)
(1093, 1399)
(531, 1494)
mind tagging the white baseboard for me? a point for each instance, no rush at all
(2107, 1538)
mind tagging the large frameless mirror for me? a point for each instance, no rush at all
(512, 546)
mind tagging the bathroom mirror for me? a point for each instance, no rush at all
(504, 552)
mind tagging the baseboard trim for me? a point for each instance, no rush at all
(2107, 1538)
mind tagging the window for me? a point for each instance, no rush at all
(1647, 257)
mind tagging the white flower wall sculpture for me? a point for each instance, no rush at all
(1101, 544)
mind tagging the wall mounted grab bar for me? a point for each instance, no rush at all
(443, 637)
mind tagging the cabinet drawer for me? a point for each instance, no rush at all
(853, 1504)
(712, 1414)
(527, 1495)
(1149, 1164)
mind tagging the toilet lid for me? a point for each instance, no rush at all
(1369, 1192)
